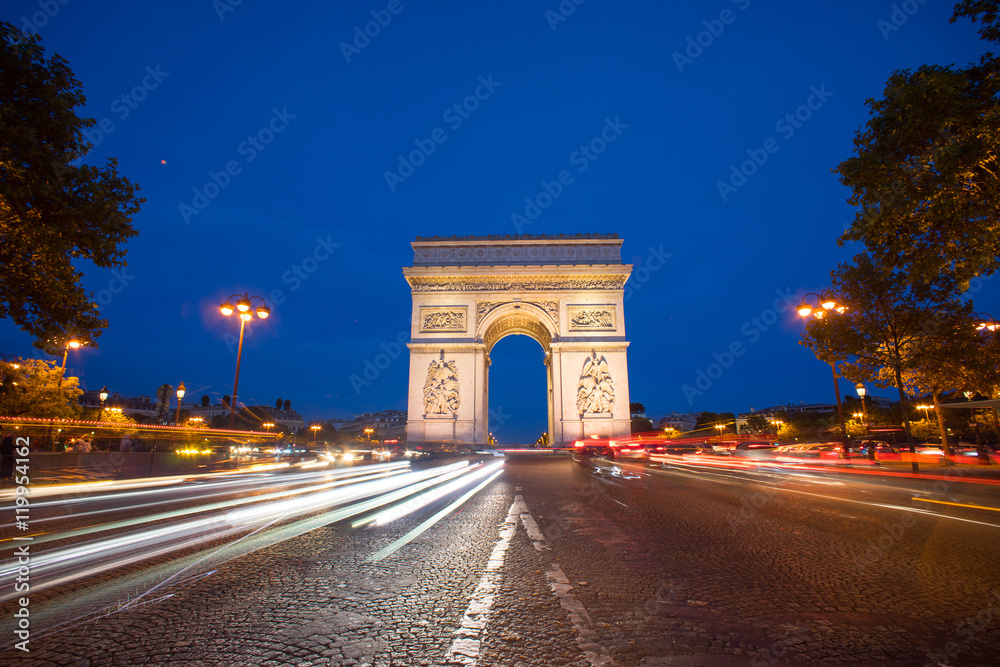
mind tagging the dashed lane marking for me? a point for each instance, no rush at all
(465, 648)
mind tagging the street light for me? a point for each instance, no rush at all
(180, 394)
(826, 303)
(777, 425)
(315, 430)
(104, 396)
(267, 426)
(368, 434)
(860, 388)
(72, 343)
(244, 303)
(721, 428)
(925, 408)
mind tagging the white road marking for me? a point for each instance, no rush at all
(465, 648)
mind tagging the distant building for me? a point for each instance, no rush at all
(131, 406)
(791, 409)
(681, 423)
(384, 425)
(290, 418)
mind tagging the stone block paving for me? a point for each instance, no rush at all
(670, 581)
(311, 600)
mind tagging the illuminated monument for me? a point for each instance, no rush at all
(566, 292)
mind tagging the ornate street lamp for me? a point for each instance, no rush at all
(104, 396)
(71, 343)
(826, 303)
(180, 394)
(860, 388)
(244, 305)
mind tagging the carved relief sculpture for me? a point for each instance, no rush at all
(483, 309)
(453, 320)
(593, 319)
(441, 390)
(595, 394)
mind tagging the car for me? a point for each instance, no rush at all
(584, 452)
(673, 448)
(753, 450)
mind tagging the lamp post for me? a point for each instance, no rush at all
(925, 408)
(267, 426)
(72, 343)
(180, 394)
(315, 430)
(244, 304)
(721, 427)
(103, 396)
(368, 434)
(860, 388)
(827, 305)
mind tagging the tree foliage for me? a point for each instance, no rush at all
(925, 176)
(34, 390)
(53, 213)
(758, 423)
(890, 326)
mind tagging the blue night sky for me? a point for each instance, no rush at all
(214, 80)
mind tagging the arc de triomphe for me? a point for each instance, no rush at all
(566, 292)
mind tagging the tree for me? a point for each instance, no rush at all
(205, 401)
(277, 404)
(226, 399)
(925, 176)
(707, 421)
(641, 425)
(637, 408)
(52, 213)
(887, 318)
(288, 404)
(34, 390)
(757, 423)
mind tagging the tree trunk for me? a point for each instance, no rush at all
(945, 445)
(903, 405)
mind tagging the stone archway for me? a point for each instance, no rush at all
(470, 292)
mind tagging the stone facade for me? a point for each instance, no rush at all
(565, 292)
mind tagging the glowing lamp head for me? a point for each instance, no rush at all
(74, 343)
(805, 310)
(819, 314)
(243, 305)
(828, 303)
(263, 312)
(181, 390)
(104, 394)
(860, 389)
(246, 317)
(841, 309)
(226, 309)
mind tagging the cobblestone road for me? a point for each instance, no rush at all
(560, 564)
